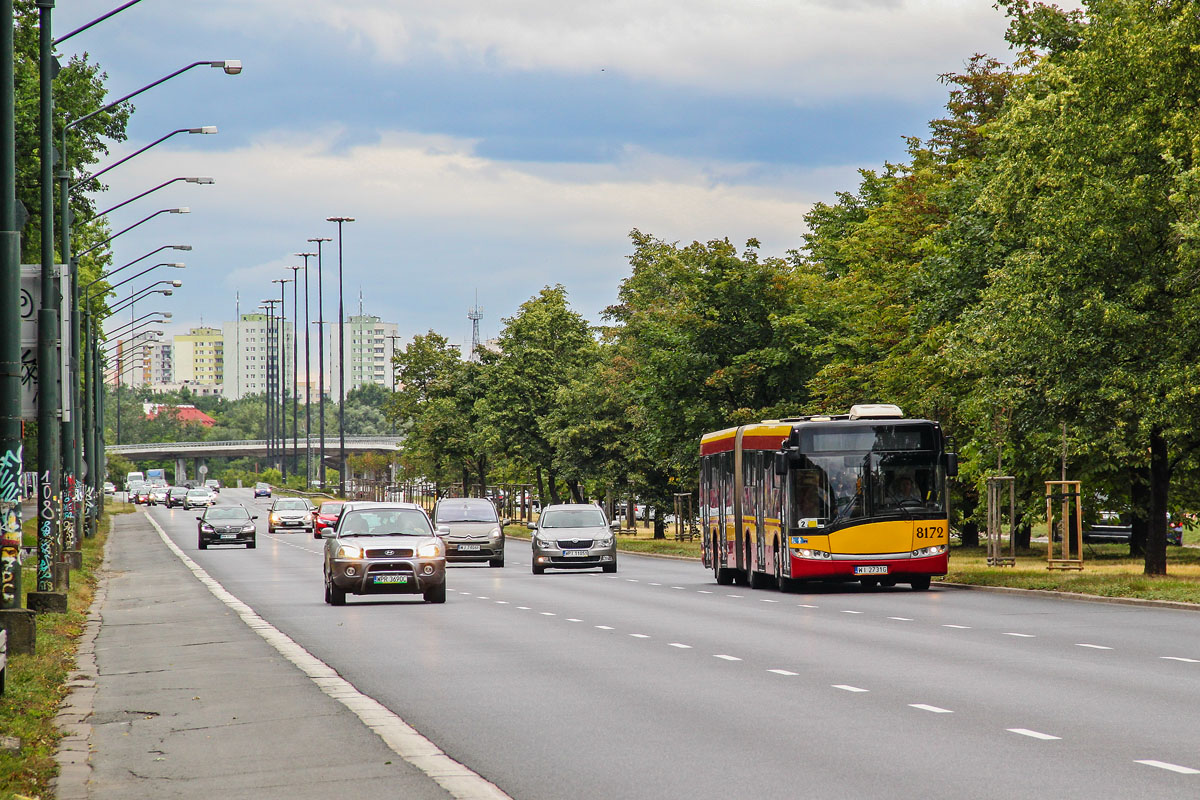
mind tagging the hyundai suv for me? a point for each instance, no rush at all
(384, 548)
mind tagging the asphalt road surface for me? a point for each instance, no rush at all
(657, 683)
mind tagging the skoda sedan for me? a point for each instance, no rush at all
(574, 536)
(384, 548)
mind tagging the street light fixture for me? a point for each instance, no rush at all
(320, 240)
(200, 181)
(341, 361)
(207, 129)
(98, 245)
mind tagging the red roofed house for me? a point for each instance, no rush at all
(187, 414)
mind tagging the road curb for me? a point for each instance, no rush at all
(1085, 598)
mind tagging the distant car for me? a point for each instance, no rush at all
(139, 492)
(384, 548)
(158, 494)
(197, 498)
(262, 490)
(290, 513)
(574, 536)
(226, 525)
(109, 488)
(213, 485)
(471, 530)
(1174, 532)
(326, 516)
(176, 495)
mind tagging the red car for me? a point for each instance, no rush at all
(327, 517)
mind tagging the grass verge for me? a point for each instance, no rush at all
(36, 683)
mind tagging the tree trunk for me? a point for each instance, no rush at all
(541, 487)
(660, 527)
(970, 530)
(1139, 502)
(573, 485)
(1160, 477)
(553, 482)
(466, 475)
(482, 464)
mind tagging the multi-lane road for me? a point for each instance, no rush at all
(655, 682)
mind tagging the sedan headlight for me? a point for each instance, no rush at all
(546, 542)
(308, 518)
(206, 528)
(249, 528)
(431, 550)
(349, 551)
(604, 541)
(274, 517)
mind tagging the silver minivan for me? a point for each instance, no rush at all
(471, 530)
(574, 536)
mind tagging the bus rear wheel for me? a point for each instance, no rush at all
(723, 577)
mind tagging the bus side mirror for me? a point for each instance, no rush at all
(952, 465)
(781, 463)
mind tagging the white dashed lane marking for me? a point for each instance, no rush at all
(1022, 635)
(805, 605)
(847, 688)
(844, 611)
(640, 635)
(1093, 646)
(1171, 767)
(1180, 658)
(549, 614)
(901, 619)
(572, 619)
(604, 627)
(1033, 734)
(782, 672)
(934, 709)
(681, 646)
(960, 627)
(726, 658)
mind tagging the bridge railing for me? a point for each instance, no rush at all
(369, 441)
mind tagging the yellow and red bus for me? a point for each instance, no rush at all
(849, 497)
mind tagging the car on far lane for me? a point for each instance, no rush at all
(158, 494)
(139, 492)
(262, 490)
(574, 536)
(109, 488)
(326, 516)
(213, 485)
(226, 525)
(175, 496)
(384, 548)
(290, 513)
(471, 530)
(197, 498)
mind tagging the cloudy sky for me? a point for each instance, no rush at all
(494, 147)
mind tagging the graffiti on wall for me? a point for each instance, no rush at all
(10, 526)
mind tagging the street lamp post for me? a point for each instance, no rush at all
(269, 395)
(341, 362)
(307, 381)
(281, 373)
(295, 390)
(321, 351)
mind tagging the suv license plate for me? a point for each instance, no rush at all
(872, 570)
(575, 553)
(466, 547)
(390, 579)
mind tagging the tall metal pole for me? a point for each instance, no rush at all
(268, 402)
(307, 381)
(49, 446)
(281, 373)
(341, 362)
(295, 390)
(321, 352)
(11, 445)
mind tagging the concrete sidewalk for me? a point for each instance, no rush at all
(175, 697)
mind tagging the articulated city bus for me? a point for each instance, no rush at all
(858, 496)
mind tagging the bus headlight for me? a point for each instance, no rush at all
(934, 550)
(814, 554)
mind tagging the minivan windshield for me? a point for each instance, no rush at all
(572, 518)
(465, 511)
(384, 522)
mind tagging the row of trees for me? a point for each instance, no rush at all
(1031, 268)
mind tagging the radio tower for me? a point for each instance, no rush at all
(475, 314)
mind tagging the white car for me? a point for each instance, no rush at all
(198, 498)
(109, 488)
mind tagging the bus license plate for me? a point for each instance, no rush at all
(880, 569)
(390, 579)
(465, 547)
(575, 553)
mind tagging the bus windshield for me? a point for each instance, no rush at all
(853, 473)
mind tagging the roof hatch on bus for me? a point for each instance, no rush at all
(876, 411)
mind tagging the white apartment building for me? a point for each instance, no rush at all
(246, 355)
(369, 343)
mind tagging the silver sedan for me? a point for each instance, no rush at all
(574, 536)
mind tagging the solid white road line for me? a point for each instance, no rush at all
(403, 739)
(846, 688)
(1171, 767)
(782, 672)
(1093, 646)
(1032, 734)
(934, 709)
(726, 658)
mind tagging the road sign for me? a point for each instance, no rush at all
(203, 470)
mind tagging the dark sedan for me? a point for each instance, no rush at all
(226, 525)
(384, 548)
(176, 496)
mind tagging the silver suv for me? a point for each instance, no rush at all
(471, 530)
(574, 536)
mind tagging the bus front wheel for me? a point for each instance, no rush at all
(920, 584)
